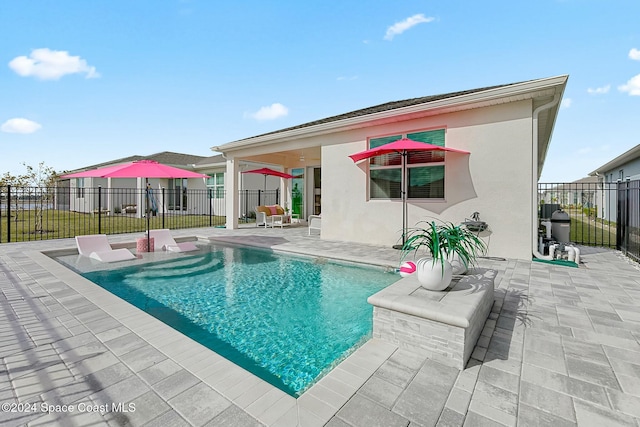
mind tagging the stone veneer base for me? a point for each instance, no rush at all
(444, 325)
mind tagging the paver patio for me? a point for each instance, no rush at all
(561, 347)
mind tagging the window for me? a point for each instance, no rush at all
(79, 188)
(215, 182)
(425, 170)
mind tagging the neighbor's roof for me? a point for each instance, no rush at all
(166, 157)
(621, 160)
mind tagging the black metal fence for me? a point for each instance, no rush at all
(628, 219)
(602, 213)
(35, 213)
(249, 199)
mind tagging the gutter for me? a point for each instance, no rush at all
(534, 178)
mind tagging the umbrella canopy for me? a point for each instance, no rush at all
(137, 169)
(401, 146)
(269, 172)
(404, 147)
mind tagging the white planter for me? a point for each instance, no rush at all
(431, 275)
(457, 264)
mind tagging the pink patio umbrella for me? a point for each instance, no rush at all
(137, 169)
(269, 172)
(404, 147)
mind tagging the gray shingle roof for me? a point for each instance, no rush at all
(165, 157)
(384, 107)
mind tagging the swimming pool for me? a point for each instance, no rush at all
(287, 319)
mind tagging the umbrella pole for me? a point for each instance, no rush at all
(148, 224)
(404, 200)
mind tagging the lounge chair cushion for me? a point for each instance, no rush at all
(273, 209)
(264, 209)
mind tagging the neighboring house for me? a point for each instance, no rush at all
(506, 128)
(73, 192)
(577, 194)
(624, 167)
(84, 198)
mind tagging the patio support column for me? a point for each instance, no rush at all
(285, 200)
(231, 189)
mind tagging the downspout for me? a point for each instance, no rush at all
(534, 178)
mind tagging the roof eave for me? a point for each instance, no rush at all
(620, 160)
(525, 90)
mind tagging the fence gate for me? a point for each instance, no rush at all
(628, 219)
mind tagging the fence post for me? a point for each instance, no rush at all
(99, 209)
(163, 208)
(259, 193)
(9, 213)
(619, 221)
(627, 218)
(277, 196)
(246, 206)
(209, 190)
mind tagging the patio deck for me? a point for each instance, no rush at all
(561, 347)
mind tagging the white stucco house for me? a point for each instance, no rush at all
(624, 167)
(506, 128)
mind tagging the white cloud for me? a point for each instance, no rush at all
(20, 125)
(342, 78)
(402, 26)
(585, 150)
(599, 90)
(566, 103)
(634, 54)
(271, 112)
(632, 86)
(46, 64)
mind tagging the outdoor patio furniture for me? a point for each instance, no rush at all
(267, 216)
(163, 240)
(97, 246)
(314, 223)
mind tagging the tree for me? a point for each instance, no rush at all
(16, 182)
(36, 185)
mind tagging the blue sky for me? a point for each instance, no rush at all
(83, 82)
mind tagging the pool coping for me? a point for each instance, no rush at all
(261, 400)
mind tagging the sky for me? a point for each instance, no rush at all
(83, 82)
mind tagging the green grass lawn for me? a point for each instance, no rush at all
(59, 224)
(592, 232)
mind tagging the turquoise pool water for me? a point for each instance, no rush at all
(288, 320)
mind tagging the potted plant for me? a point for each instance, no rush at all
(448, 245)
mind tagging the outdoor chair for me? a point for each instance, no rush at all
(97, 246)
(314, 223)
(163, 240)
(265, 215)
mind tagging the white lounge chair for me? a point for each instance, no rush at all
(164, 241)
(97, 246)
(315, 222)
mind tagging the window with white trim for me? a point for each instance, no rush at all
(79, 188)
(215, 182)
(425, 170)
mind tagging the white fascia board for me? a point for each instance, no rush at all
(628, 156)
(526, 90)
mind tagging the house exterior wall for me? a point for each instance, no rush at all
(494, 180)
(629, 169)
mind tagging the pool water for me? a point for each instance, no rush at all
(288, 320)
